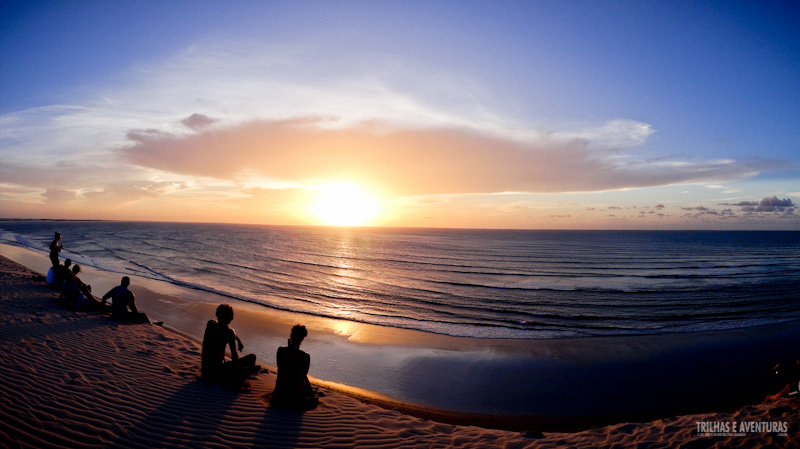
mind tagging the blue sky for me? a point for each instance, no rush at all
(563, 114)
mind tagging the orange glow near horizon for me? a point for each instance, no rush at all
(344, 204)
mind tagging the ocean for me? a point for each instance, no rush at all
(473, 283)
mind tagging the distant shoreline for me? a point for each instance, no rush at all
(402, 227)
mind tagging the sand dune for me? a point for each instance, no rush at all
(74, 379)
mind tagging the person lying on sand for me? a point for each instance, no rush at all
(791, 389)
(123, 299)
(77, 294)
(217, 336)
(292, 388)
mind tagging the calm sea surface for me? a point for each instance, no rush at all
(478, 283)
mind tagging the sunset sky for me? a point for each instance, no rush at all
(523, 114)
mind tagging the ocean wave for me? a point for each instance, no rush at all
(561, 287)
(559, 292)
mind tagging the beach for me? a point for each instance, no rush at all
(519, 224)
(77, 379)
(555, 384)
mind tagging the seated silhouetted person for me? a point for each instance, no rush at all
(292, 388)
(56, 275)
(62, 273)
(218, 335)
(51, 275)
(123, 299)
(76, 294)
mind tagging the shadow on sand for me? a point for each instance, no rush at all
(192, 414)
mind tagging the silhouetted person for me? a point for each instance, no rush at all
(218, 335)
(78, 294)
(292, 388)
(55, 248)
(52, 273)
(57, 274)
(62, 273)
(123, 299)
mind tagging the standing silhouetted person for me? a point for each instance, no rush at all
(123, 299)
(292, 388)
(55, 248)
(218, 335)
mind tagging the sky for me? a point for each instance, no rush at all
(503, 114)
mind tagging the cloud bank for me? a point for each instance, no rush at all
(773, 204)
(414, 161)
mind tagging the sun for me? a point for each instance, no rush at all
(344, 204)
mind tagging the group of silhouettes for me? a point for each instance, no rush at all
(292, 387)
(76, 294)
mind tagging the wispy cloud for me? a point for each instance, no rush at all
(616, 134)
